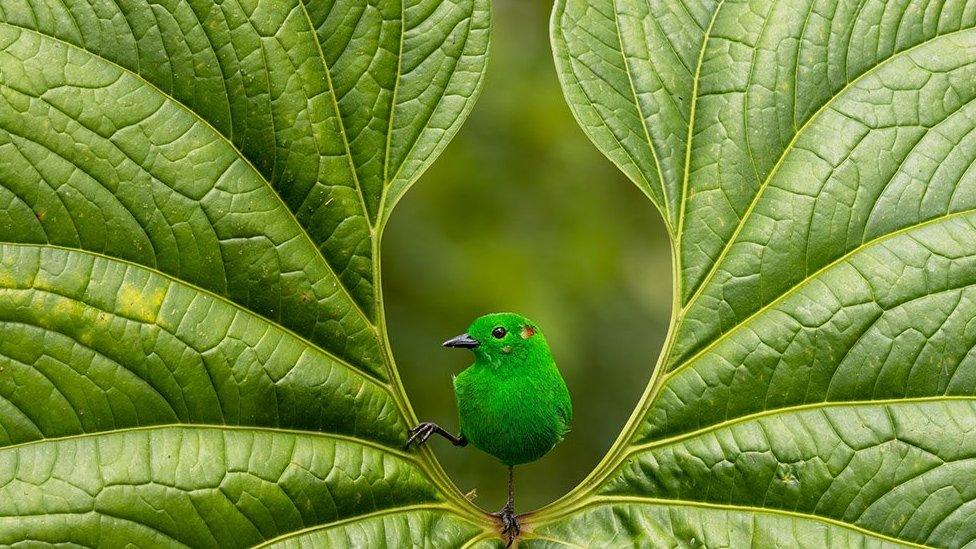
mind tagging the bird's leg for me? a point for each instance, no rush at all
(422, 432)
(510, 524)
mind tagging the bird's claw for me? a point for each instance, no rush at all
(420, 433)
(510, 523)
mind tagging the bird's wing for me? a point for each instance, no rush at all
(565, 411)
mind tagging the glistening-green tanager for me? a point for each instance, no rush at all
(512, 402)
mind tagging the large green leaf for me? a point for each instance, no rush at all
(192, 198)
(813, 162)
(193, 195)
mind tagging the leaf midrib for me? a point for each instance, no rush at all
(596, 501)
(677, 279)
(339, 120)
(220, 427)
(449, 132)
(784, 410)
(356, 518)
(369, 376)
(393, 104)
(102, 513)
(640, 111)
(570, 69)
(788, 292)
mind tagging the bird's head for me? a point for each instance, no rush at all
(499, 336)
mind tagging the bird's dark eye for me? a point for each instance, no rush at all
(499, 332)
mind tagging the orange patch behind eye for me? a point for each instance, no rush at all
(527, 332)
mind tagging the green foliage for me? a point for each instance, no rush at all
(192, 197)
(812, 160)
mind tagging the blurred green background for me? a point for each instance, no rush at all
(521, 213)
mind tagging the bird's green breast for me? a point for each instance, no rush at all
(516, 414)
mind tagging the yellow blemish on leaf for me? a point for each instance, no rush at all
(140, 304)
(66, 307)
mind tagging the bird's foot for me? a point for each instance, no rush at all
(420, 433)
(510, 523)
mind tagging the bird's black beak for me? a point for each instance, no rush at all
(463, 341)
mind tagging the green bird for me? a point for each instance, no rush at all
(512, 402)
